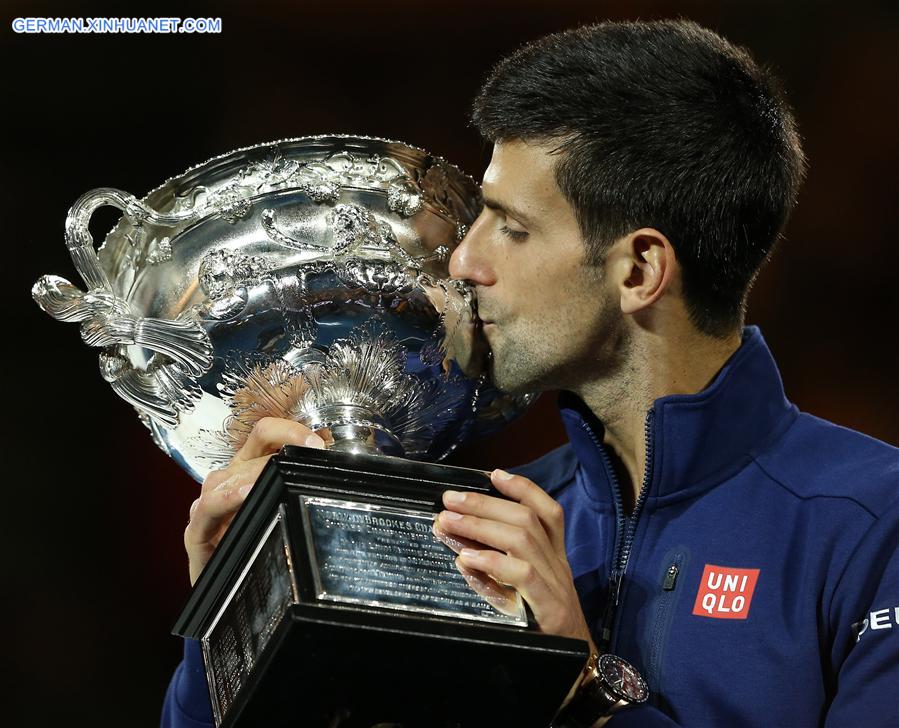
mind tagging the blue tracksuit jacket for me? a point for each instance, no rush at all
(756, 583)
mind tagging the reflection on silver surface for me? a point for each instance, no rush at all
(305, 278)
(388, 557)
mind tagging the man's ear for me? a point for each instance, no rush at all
(647, 265)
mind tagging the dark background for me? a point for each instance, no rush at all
(94, 513)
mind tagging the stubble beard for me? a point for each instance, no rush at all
(527, 359)
(531, 356)
(523, 362)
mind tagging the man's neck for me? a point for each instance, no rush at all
(655, 367)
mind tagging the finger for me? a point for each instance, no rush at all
(529, 494)
(502, 598)
(247, 471)
(531, 547)
(213, 508)
(215, 478)
(515, 540)
(493, 509)
(518, 574)
(456, 543)
(271, 433)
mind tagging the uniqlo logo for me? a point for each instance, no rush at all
(725, 593)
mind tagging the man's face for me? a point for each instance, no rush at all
(550, 319)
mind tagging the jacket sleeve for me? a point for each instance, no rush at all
(865, 621)
(187, 698)
(641, 716)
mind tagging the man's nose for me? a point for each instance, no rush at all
(468, 261)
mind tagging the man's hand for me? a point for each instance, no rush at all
(224, 491)
(519, 542)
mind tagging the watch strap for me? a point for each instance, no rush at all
(592, 699)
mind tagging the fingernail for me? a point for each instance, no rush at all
(243, 490)
(451, 516)
(453, 496)
(501, 474)
(470, 553)
(314, 440)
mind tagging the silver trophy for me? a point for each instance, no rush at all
(308, 279)
(304, 279)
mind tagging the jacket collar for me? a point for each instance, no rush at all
(697, 440)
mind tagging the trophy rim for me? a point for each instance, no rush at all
(185, 177)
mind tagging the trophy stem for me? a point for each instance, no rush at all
(356, 429)
(363, 439)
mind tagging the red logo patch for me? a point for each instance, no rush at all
(725, 593)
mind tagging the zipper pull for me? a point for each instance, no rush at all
(670, 578)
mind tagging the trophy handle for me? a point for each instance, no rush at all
(110, 322)
(80, 242)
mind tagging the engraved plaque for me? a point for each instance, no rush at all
(249, 616)
(387, 557)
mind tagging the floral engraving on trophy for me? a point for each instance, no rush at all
(352, 232)
(223, 270)
(436, 186)
(361, 381)
(254, 388)
(353, 227)
(227, 306)
(403, 198)
(231, 202)
(160, 251)
(270, 173)
(380, 277)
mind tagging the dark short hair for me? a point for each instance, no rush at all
(659, 124)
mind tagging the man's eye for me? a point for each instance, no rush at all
(514, 234)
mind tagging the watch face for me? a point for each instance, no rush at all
(622, 679)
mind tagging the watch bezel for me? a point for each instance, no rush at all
(624, 666)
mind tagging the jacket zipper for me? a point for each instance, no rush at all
(661, 620)
(625, 528)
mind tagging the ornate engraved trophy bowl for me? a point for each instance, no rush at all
(305, 278)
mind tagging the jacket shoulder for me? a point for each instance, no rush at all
(552, 471)
(817, 458)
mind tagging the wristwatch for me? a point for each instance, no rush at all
(608, 684)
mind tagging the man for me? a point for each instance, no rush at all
(740, 555)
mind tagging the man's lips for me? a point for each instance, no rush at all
(483, 320)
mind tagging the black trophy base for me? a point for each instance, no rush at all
(333, 667)
(329, 603)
